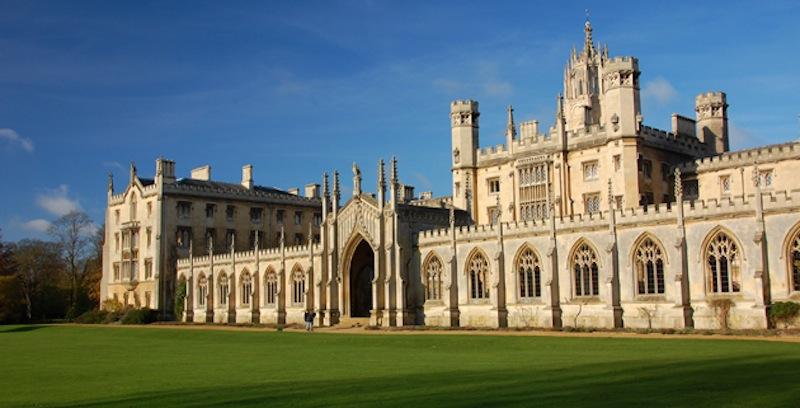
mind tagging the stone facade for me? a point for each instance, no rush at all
(155, 221)
(599, 221)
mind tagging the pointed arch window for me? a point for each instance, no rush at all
(478, 273)
(246, 288)
(202, 290)
(794, 258)
(528, 275)
(649, 264)
(586, 271)
(723, 261)
(298, 286)
(224, 290)
(270, 288)
(433, 278)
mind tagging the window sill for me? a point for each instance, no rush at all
(434, 303)
(650, 298)
(585, 300)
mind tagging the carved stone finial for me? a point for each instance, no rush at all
(587, 28)
(756, 181)
(610, 195)
(452, 214)
(499, 210)
(381, 176)
(110, 181)
(393, 180)
(678, 183)
(255, 240)
(283, 237)
(356, 180)
(336, 189)
(511, 129)
(325, 184)
(133, 171)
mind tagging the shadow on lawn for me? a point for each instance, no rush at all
(753, 381)
(19, 329)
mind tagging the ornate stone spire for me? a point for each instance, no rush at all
(393, 180)
(588, 47)
(133, 171)
(325, 184)
(511, 129)
(356, 180)
(381, 176)
(336, 190)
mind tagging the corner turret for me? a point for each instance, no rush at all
(712, 121)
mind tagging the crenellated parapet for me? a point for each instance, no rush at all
(747, 157)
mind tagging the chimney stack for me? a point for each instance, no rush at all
(201, 173)
(247, 176)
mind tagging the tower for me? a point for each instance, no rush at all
(621, 102)
(582, 84)
(464, 129)
(712, 121)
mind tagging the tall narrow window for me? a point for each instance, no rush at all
(223, 289)
(433, 278)
(478, 273)
(246, 288)
(528, 275)
(722, 259)
(298, 286)
(794, 258)
(649, 263)
(270, 288)
(202, 290)
(585, 270)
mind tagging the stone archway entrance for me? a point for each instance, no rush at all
(361, 274)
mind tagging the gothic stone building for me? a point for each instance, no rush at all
(597, 221)
(155, 221)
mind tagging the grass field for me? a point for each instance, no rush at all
(99, 366)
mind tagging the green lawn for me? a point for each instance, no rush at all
(98, 366)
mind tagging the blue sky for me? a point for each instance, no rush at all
(298, 88)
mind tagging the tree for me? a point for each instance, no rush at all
(71, 233)
(6, 261)
(94, 268)
(38, 271)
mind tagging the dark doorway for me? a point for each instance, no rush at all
(361, 274)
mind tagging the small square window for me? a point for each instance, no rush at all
(592, 202)
(494, 185)
(590, 171)
(230, 213)
(279, 214)
(725, 184)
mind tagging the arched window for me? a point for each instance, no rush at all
(224, 291)
(247, 288)
(584, 266)
(298, 286)
(723, 260)
(649, 263)
(433, 278)
(270, 288)
(478, 273)
(794, 258)
(202, 290)
(528, 275)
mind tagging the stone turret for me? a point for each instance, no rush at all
(621, 101)
(712, 121)
(464, 116)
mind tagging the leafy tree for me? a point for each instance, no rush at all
(71, 233)
(93, 272)
(38, 270)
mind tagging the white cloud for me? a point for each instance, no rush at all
(113, 165)
(448, 85)
(38, 225)
(57, 202)
(660, 90)
(12, 137)
(499, 88)
(740, 138)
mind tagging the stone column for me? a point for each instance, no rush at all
(552, 254)
(682, 288)
(450, 279)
